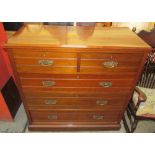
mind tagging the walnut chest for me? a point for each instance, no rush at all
(76, 78)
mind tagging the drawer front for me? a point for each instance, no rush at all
(74, 90)
(55, 82)
(91, 116)
(75, 76)
(48, 62)
(76, 102)
(49, 94)
(49, 70)
(110, 63)
(120, 57)
(31, 53)
(45, 62)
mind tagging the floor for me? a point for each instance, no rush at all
(19, 125)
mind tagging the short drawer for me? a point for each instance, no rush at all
(120, 57)
(45, 62)
(42, 53)
(110, 63)
(74, 116)
(47, 69)
(76, 102)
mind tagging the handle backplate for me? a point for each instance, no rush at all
(105, 84)
(101, 102)
(110, 64)
(52, 117)
(50, 102)
(48, 83)
(98, 117)
(46, 62)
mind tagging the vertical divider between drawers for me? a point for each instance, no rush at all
(78, 61)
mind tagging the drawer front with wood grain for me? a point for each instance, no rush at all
(58, 82)
(33, 53)
(76, 102)
(120, 57)
(48, 62)
(60, 116)
(49, 70)
(74, 90)
(49, 94)
(76, 76)
(110, 63)
(45, 62)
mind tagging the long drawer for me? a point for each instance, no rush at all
(59, 82)
(74, 116)
(73, 90)
(76, 76)
(48, 94)
(76, 102)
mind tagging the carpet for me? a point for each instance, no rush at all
(18, 125)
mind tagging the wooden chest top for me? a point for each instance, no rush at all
(76, 37)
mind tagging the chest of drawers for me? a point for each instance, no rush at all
(76, 78)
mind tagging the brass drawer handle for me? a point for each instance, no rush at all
(52, 117)
(48, 83)
(105, 84)
(110, 64)
(98, 117)
(101, 102)
(50, 102)
(46, 62)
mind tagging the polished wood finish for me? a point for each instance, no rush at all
(80, 36)
(76, 103)
(41, 82)
(74, 116)
(76, 78)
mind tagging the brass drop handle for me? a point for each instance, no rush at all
(48, 83)
(45, 62)
(50, 102)
(110, 64)
(98, 117)
(101, 102)
(105, 84)
(52, 117)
